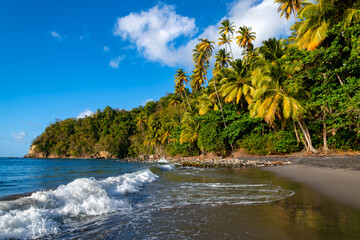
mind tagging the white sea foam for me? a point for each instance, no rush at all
(34, 216)
(162, 160)
(166, 167)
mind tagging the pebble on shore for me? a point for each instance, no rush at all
(211, 162)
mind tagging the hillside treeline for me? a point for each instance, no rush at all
(286, 95)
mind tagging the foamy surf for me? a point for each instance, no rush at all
(41, 213)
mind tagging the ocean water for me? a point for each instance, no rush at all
(110, 199)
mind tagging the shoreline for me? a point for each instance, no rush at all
(340, 184)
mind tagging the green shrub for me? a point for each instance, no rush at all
(271, 143)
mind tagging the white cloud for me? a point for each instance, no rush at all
(149, 100)
(155, 31)
(19, 136)
(56, 35)
(114, 63)
(85, 113)
(106, 49)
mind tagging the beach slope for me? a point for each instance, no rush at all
(339, 184)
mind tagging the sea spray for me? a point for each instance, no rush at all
(41, 213)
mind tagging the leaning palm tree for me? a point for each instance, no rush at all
(289, 7)
(235, 82)
(227, 29)
(245, 38)
(205, 49)
(311, 31)
(181, 79)
(274, 99)
(318, 16)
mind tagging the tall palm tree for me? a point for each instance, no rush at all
(200, 71)
(224, 41)
(178, 90)
(205, 48)
(181, 79)
(222, 59)
(235, 82)
(245, 38)
(289, 7)
(227, 29)
(273, 98)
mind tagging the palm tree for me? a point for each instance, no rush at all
(273, 98)
(205, 48)
(181, 79)
(207, 102)
(289, 7)
(224, 40)
(179, 89)
(190, 129)
(318, 17)
(227, 28)
(222, 59)
(245, 37)
(272, 49)
(200, 71)
(235, 82)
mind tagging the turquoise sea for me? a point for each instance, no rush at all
(111, 199)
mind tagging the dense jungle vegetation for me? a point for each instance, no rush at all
(290, 94)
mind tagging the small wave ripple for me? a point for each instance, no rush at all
(42, 213)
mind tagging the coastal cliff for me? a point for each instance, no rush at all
(33, 153)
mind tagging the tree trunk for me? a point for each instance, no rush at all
(338, 77)
(325, 147)
(182, 98)
(187, 99)
(232, 55)
(307, 137)
(217, 95)
(296, 133)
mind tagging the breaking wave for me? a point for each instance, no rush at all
(41, 213)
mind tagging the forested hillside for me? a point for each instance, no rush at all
(290, 94)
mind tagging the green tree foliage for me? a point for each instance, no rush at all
(280, 98)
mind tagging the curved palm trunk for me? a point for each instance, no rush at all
(232, 55)
(187, 99)
(296, 133)
(217, 95)
(182, 98)
(307, 136)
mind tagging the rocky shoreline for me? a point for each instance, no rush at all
(334, 161)
(238, 159)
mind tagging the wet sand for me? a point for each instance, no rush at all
(340, 184)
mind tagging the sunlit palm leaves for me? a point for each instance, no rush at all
(235, 83)
(180, 80)
(222, 59)
(227, 30)
(289, 7)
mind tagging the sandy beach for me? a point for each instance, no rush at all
(341, 184)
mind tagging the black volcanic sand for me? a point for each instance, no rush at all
(335, 177)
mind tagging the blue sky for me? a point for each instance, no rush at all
(62, 58)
